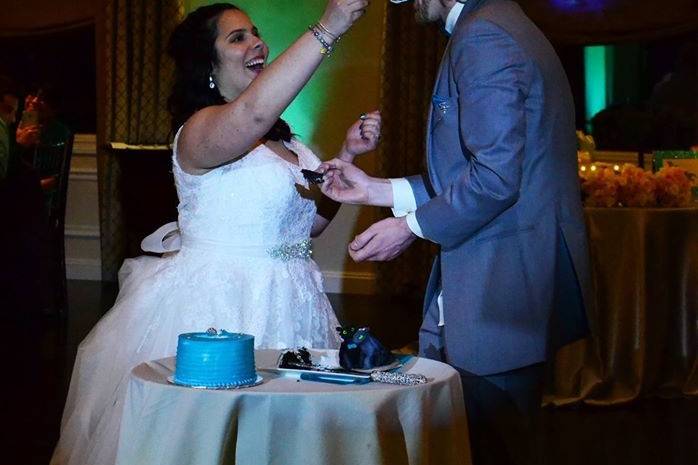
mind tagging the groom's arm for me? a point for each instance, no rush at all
(492, 78)
(421, 189)
(408, 193)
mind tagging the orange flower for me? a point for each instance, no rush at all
(600, 188)
(637, 187)
(673, 187)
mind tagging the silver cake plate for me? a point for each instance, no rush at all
(257, 382)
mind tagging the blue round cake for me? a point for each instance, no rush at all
(215, 360)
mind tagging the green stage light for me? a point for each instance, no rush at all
(595, 79)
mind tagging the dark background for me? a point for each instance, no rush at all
(66, 60)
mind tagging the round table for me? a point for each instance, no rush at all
(288, 421)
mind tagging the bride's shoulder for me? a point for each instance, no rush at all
(175, 151)
(179, 160)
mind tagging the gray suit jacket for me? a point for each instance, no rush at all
(502, 195)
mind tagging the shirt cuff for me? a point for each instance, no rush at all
(404, 201)
(413, 224)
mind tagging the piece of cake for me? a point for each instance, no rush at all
(215, 360)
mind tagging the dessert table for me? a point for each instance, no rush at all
(288, 421)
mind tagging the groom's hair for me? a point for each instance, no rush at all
(192, 47)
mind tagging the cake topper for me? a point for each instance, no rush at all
(361, 350)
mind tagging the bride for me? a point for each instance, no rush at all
(239, 254)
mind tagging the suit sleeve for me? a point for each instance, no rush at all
(492, 75)
(420, 188)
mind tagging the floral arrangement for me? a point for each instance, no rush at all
(637, 187)
(631, 186)
(600, 187)
(673, 186)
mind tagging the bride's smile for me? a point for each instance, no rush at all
(241, 54)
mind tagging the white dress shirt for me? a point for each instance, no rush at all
(404, 202)
(453, 16)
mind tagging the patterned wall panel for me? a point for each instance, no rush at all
(137, 77)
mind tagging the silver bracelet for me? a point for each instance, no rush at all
(324, 29)
(326, 49)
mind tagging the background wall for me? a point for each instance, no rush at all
(36, 16)
(82, 249)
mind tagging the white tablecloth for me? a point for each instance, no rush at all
(286, 421)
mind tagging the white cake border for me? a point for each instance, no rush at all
(257, 382)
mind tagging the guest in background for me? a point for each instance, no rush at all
(40, 123)
(38, 129)
(246, 215)
(501, 198)
(24, 290)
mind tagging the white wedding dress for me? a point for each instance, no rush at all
(243, 234)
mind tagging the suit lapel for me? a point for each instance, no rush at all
(468, 8)
(430, 153)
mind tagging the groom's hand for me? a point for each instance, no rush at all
(382, 241)
(344, 182)
(347, 183)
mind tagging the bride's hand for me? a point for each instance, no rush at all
(341, 14)
(362, 136)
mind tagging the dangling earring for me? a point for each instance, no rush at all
(211, 84)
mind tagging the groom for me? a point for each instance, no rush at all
(501, 198)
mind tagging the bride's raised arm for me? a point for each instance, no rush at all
(254, 96)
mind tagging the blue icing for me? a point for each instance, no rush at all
(215, 360)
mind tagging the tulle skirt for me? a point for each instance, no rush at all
(281, 303)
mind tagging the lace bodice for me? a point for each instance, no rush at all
(257, 201)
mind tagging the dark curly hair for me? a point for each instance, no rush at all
(192, 47)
